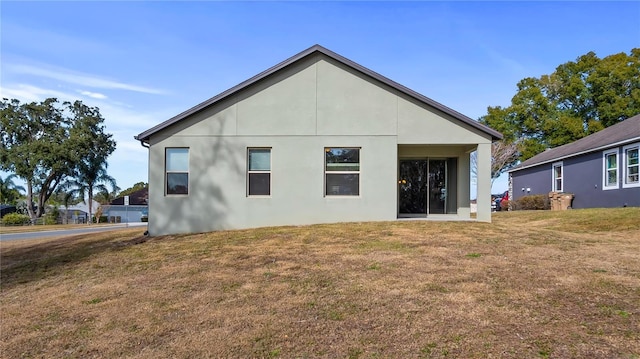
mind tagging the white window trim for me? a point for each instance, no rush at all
(625, 168)
(553, 176)
(260, 171)
(324, 179)
(605, 170)
(166, 172)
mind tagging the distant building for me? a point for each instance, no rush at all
(78, 213)
(601, 170)
(6, 209)
(136, 210)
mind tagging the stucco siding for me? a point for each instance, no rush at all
(297, 112)
(284, 105)
(218, 198)
(320, 97)
(218, 120)
(349, 104)
(418, 124)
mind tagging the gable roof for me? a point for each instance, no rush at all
(623, 132)
(144, 136)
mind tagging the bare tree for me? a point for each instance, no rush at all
(504, 155)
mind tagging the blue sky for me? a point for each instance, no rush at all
(144, 62)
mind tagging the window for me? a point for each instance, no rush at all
(342, 171)
(610, 179)
(557, 177)
(631, 166)
(259, 172)
(177, 170)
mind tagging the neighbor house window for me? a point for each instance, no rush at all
(177, 170)
(557, 177)
(259, 172)
(342, 171)
(631, 166)
(610, 180)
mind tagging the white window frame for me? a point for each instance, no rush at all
(353, 172)
(554, 178)
(167, 172)
(249, 172)
(605, 169)
(625, 165)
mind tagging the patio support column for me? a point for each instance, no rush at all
(464, 178)
(484, 182)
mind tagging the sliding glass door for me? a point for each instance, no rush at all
(426, 186)
(437, 186)
(412, 187)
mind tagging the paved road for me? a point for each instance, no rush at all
(68, 232)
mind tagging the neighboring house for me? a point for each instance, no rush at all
(137, 208)
(314, 139)
(6, 209)
(78, 213)
(601, 170)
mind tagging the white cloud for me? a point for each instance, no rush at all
(76, 78)
(95, 95)
(28, 93)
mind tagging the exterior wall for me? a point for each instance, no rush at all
(530, 181)
(583, 177)
(312, 104)
(217, 184)
(127, 214)
(419, 124)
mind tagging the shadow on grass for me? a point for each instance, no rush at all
(26, 263)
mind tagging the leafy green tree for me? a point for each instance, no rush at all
(136, 187)
(105, 197)
(90, 171)
(45, 143)
(9, 191)
(579, 98)
(91, 177)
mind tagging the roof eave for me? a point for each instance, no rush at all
(560, 158)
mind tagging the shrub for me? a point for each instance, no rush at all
(103, 219)
(532, 202)
(15, 219)
(52, 216)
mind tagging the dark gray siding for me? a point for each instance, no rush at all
(583, 177)
(537, 179)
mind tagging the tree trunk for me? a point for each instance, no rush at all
(90, 205)
(30, 210)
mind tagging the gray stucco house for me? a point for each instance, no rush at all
(601, 170)
(314, 139)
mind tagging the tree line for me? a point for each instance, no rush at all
(58, 149)
(579, 98)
